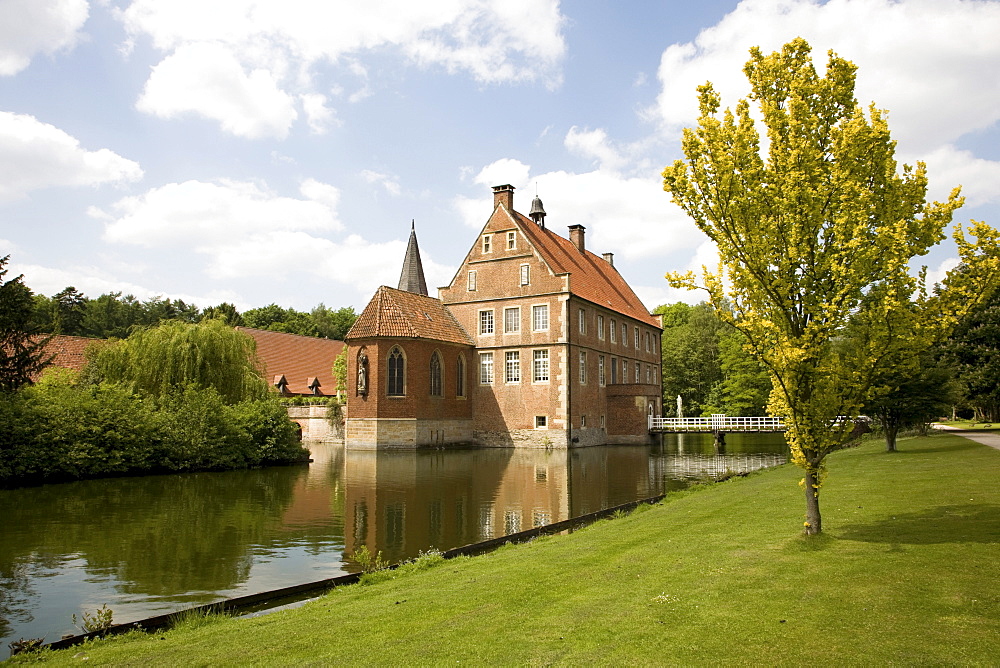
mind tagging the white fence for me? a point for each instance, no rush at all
(716, 423)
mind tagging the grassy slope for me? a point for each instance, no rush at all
(907, 572)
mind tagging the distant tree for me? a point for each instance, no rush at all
(972, 352)
(174, 355)
(225, 312)
(22, 350)
(918, 399)
(746, 385)
(815, 233)
(277, 319)
(333, 324)
(690, 356)
(111, 315)
(70, 305)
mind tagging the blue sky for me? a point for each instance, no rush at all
(259, 151)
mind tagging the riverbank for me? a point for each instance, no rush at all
(905, 573)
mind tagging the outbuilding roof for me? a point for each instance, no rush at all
(301, 360)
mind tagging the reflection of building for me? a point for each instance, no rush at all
(535, 342)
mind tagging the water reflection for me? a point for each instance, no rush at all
(149, 545)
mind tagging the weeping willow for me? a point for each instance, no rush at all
(173, 355)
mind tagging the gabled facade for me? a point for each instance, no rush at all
(558, 350)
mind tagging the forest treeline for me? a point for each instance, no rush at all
(705, 361)
(113, 315)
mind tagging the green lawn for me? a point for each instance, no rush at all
(906, 573)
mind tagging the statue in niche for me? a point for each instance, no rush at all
(363, 375)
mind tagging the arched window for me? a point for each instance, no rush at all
(397, 373)
(460, 377)
(436, 374)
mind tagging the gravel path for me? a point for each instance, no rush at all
(990, 438)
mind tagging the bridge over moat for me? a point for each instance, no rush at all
(715, 424)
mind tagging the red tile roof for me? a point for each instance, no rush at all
(68, 351)
(591, 277)
(399, 314)
(300, 359)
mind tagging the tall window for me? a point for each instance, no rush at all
(460, 377)
(638, 373)
(614, 370)
(540, 317)
(486, 322)
(624, 371)
(472, 281)
(647, 342)
(540, 366)
(485, 368)
(600, 370)
(600, 327)
(649, 374)
(525, 274)
(511, 320)
(436, 374)
(582, 315)
(613, 335)
(624, 334)
(583, 368)
(636, 337)
(487, 243)
(511, 240)
(397, 373)
(512, 367)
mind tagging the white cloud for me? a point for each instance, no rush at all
(209, 80)
(247, 232)
(319, 116)
(948, 167)
(504, 171)
(934, 64)
(30, 27)
(390, 183)
(279, 42)
(595, 145)
(36, 155)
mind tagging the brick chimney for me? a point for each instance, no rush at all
(609, 258)
(576, 236)
(503, 194)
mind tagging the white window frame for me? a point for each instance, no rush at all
(648, 338)
(541, 422)
(540, 366)
(625, 334)
(486, 368)
(582, 315)
(638, 373)
(613, 329)
(583, 422)
(636, 338)
(472, 280)
(601, 376)
(487, 322)
(583, 367)
(512, 240)
(487, 243)
(516, 310)
(624, 372)
(535, 310)
(525, 276)
(512, 366)
(600, 326)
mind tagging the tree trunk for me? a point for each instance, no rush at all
(890, 438)
(814, 524)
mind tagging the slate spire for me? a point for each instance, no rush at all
(411, 279)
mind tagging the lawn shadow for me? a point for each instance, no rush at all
(968, 523)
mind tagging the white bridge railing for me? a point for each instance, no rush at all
(716, 423)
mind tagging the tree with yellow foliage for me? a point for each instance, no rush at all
(816, 230)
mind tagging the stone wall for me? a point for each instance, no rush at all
(315, 425)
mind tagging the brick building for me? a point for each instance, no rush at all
(536, 342)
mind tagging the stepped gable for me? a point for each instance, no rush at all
(591, 277)
(302, 360)
(400, 314)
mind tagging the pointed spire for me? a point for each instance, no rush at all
(411, 279)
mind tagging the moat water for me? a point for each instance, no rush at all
(150, 545)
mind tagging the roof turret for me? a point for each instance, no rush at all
(537, 212)
(411, 278)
